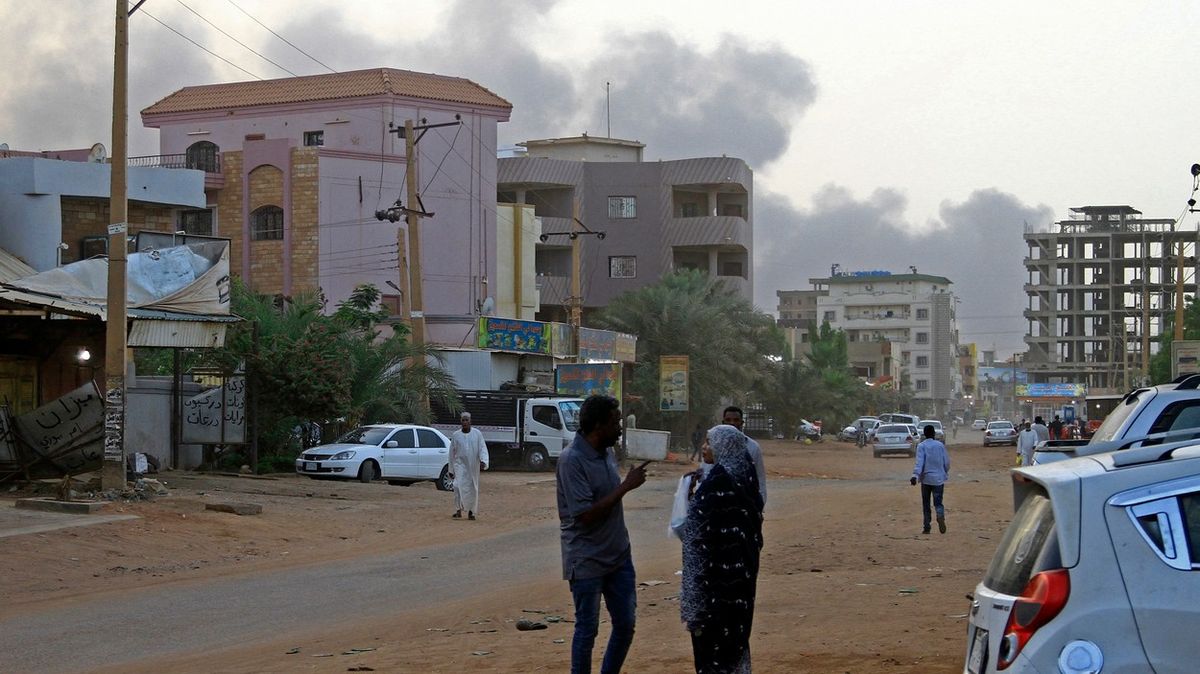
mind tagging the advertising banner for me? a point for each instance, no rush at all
(585, 379)
(626, 348)
(1051, 390)
(597, 344)
(561, 344)
(673, 383)
(509, 334)
(213, 418)
(990, 375)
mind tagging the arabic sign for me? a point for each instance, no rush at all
(584, 379)
(67, 431)
(561, 344)
(8, 441)
(626, 348)
(508, 334)
(1185, 357)
(597, 344)
(214, 419)
(1051, 390)
(673, 383)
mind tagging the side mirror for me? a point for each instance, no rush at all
(391, 444)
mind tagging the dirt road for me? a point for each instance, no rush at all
(334, 576)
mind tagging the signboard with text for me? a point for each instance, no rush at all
(597, 344)
(584, 379)
(673, 383)
(510, 334)
(216, 416)
(1185, 357)
(1058, 390)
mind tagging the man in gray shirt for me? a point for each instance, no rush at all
(596, 555)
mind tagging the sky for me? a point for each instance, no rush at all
(881, 135)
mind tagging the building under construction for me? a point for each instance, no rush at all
(1101, 285)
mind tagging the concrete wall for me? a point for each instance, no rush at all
(148, 421)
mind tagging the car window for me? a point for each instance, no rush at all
(1178, 416)
(1190, 505)
(1029, 546)
(404, 438)
(365, 435)
(570, 414)
(893, 429)
(429, 439)
(1116, 418)
(546, 414)
(1000, 425)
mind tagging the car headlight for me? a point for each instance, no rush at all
(342, 456)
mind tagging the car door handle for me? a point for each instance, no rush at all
(412, 451)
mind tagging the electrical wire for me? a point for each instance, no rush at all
(222, 31)
(438, 170)
(206, 49)
(285, 40)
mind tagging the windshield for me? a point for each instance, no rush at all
(1029, 546)
(1116, 418)
(365, 435)
(570, 414)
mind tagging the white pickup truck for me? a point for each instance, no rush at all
(529, 429)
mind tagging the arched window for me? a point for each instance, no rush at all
(266, 223)
(202, 155)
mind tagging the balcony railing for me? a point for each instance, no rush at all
(177, 161)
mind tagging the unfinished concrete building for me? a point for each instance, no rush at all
(1100, 285)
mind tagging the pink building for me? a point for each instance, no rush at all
(297, 167)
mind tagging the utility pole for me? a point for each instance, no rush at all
(1179, 294)
(576, 271)
(112, 474)
(416, 307)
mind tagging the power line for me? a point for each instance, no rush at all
(222, 32)
(281, 37)
(438, 170)
(211, 52)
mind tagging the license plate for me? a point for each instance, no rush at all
(978, 651)
(310, 465)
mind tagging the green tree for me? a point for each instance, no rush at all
(729, 344)
(1160, 363)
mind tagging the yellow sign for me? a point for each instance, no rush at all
(673, 383)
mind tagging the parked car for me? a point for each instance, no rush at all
(895, 439)
(1150, 415)
(979, 424)
(399, 453)
(860, 425)
(939, 433)
(1097, 570)
(999, 433)
(898, 418)
(808, 430)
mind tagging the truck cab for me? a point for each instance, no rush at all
(529, 429)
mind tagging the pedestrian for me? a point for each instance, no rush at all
(596, 556)
(1026, 442)
(931, 470)
(732, 416)
(468, 452)
(697, 441)
(954, 429)
(1039, 427)
(722, 540)
(1056, 428)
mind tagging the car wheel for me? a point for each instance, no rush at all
(368, 472)
(444, 482)
(536, 459)
(400, 483)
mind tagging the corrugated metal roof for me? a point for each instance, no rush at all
(12, 267)
(327, 87)
(177, 333)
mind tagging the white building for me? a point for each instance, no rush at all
(902, 325)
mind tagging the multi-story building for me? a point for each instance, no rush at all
(902, 325)
(297, 167)
(798, 308)
(1100, 284)
(656, 217)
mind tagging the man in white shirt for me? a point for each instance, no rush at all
(468, 452)
(1027, 440)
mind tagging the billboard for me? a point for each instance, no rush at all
(597, 344)
(1185, 357)
(1052, 390)
(1004, 375)
(673, 383)
(508, 334)
(585, 379)
(626, 348)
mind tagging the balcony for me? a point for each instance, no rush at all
(708, 230)
(737, 283)
(213, 178)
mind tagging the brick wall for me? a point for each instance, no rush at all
(89, 216)
(229, 208)
(266, 257)
(305, 239)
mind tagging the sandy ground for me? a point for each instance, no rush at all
(848, 583)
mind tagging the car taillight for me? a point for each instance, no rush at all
(1042, 599)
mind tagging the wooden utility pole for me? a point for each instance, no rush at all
(1179, 294)
(402, 263)
(576, 282)
(112, 474)
(413, 219)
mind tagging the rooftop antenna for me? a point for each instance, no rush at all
(608, 107)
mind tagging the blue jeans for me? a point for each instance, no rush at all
(620, 596)
(935, 491)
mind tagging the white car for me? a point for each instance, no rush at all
(895, 439)
(399, 453)
(1098, 570)
(979, 424)
(939, 433)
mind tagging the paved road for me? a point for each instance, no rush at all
(191, 617)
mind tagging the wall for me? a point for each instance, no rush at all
(504, 287)
(90, 217)
(148, 421)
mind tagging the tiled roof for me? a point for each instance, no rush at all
(334, 86)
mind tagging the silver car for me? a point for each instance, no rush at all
(999, 433)
(939, 433)
(1099, 569)
(895, 439)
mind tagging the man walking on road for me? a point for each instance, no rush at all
(468, 452)
(1026, 441)
(597, 558)
(733, 417)
(1039, 427)
(931, 470)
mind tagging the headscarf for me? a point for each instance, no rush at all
(730, 449)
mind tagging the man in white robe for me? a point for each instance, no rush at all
(468, 452)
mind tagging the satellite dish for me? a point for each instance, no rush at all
(488, 306)
(3, 147)
(98, 155)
